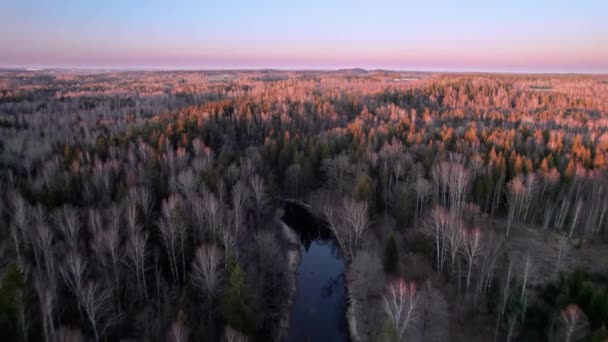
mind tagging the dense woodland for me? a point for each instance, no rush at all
(144, 205)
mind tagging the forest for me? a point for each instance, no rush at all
(148, 205)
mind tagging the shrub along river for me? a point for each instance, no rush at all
(319, 308)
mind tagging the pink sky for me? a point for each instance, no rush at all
(545, 36)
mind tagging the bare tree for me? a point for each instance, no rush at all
(331, 216)
(42, 245)
(398, 168)
(515, 198)
(198, 146)
(221, 191)
(423, 189)
(106, 246)
(472, 246)
(526, 267)
(455, 238)
(565, 200)
(214, 214)
(451, 181)
(136, 255)
(231, 335)
(19, 225)
(505, 296)
(521, 192)
(206, 273)
(145, 202)
(199, 217)
(440, 173)
(491, 252)
(130, 214)
(73, 269)
(513, 323)
(172, 230)
(548, 215)
(573, 324)
(347, 219)
(240, 194)
(228, 236)
(95, 302)
(575, 215)
(258, 189)
(529, 197)
(436, 226)
(356, 222)
(68, 223)
(185, 182)
(458, 184)
(401, 307)
(177, 332)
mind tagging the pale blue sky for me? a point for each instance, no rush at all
(486, 35)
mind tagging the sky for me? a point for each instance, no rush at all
(431, 35)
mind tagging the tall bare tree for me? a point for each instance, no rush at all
(73, 271)
(437, 227)
(240, 195)
(355, 219)
(516, 192)
(95, 302)
(68, 223)
(401, 307)
(206, 270)
(173, 233)
(136, 255)
(423, 189)
(258, 189)
(472, 246)
(106, 245)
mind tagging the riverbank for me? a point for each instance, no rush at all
(293, 254)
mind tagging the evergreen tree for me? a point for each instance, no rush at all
(237, 302)
(391, 256)
(479, 194)
(11, 298)
(402, 210)
(365, 191)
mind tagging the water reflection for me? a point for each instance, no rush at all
(318, 312)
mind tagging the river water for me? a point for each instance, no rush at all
(318, 312)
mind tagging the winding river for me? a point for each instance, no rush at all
(318, 312)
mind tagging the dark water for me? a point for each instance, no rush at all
(318, 312)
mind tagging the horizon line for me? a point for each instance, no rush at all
(296, 69)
